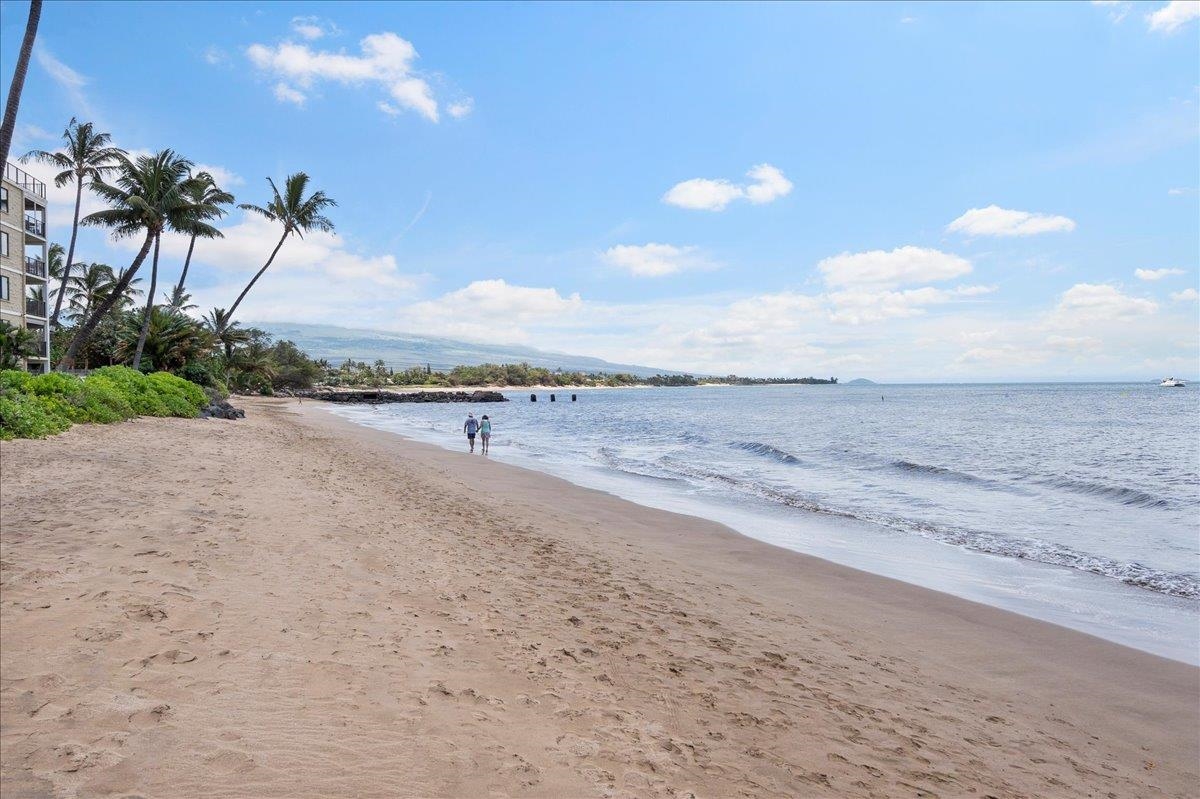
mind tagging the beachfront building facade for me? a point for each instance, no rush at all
(24, 272)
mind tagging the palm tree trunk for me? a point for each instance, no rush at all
(186, 261)
(18, 81)
(259, 274)
(137, 355)
(87, 309)
(66, 276)
(89, 325)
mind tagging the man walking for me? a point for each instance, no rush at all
(471, 427)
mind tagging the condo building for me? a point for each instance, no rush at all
(24, 279)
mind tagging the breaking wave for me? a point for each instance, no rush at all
(766, 450)
(1131, 573)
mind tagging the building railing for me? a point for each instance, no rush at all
(35, 307)
(41, 350)
(35, 266)
(27, 182)
(35, 226)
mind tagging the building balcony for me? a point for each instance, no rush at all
(40, 349)
(28, 183)
(35, 267)
(35, 226)
(35, 307)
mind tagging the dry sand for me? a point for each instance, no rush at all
(290, 606)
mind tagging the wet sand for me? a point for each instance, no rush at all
(290, 605)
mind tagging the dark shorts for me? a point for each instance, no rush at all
(471, 436)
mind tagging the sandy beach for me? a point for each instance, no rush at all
(292, 606)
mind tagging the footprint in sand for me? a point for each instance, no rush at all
(146, 613)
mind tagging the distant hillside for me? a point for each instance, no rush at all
(404, 350)
(860, 381)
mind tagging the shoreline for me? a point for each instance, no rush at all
(1095, 604)
(290, 602)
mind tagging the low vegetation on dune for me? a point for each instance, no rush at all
(36, 406)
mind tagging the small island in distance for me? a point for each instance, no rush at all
(860, 381)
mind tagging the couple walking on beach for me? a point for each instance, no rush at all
(481, 426)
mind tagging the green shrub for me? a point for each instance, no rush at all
(137, 390)
(13, 380)
(102, 402)
(198, 372)
(182, 397)
(35, 407)
(29, 416)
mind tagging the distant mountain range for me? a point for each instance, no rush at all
(404, 350)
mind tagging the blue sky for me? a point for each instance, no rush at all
(901, 191)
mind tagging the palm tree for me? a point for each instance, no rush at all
(297, 213)
(131, 292)
(88, 288)
(172, 341)
(225, 331)
(179, 301)
(54, 269)
(209, 198)
(15, 343)
(252, 367)
(86, 157)
(148, 195)
(18, 81)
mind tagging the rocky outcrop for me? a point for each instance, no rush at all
(380, 397)
(219, 408)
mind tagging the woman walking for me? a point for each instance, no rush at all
(485, 433)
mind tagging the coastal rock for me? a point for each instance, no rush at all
(381, 397)
(219, 408)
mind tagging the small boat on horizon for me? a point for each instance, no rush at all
(1172, 382)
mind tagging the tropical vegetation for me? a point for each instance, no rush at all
(379, 375)
(149, 195)
(87, 156)
(42, 405)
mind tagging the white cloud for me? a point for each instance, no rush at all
(313, 28)
(1074, 343)
(1156, 274)
(704, 194)
(286, 94)
(1085, 302)
(225, 178)
(1007, 355)
(216, 56)
(386, 60)
(493, 310)
(71, 81)
(768, 186)
(1173, 16)
(1187, 295)
(892, 268)
(314, 278)
(461, 108)
(1179, 191)
(654, 260)
(997, 221)
(858, 306)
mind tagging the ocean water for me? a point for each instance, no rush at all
(1077, 504)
